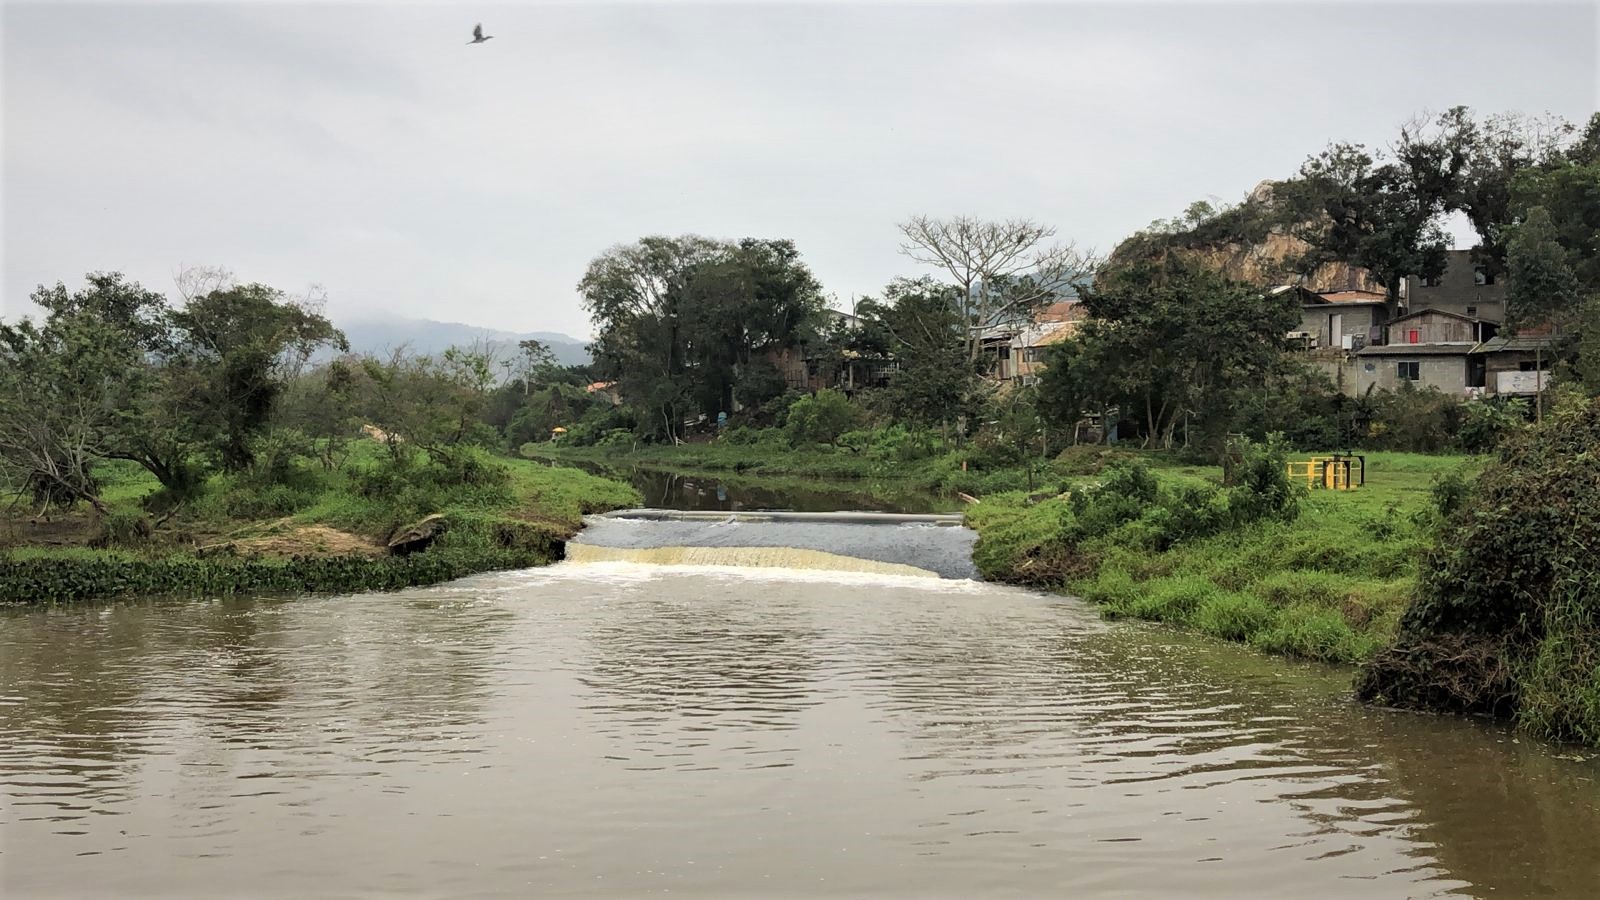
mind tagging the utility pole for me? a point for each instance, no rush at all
(1538, 383)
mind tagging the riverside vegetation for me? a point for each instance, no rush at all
(159, 450)
(1457, 582)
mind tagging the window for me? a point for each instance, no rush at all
(1479, 276)
(1472, 311)
(1430, 281)
(1414, 336)
(1410, 371)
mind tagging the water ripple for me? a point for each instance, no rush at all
(618, 730)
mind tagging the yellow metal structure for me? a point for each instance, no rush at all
(1327, 472)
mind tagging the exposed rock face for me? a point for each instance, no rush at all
(1243, 244)
(1269, 262)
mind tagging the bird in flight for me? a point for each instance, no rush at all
(478, 36)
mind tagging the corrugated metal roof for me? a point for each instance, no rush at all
(1416, 350)
(1519, 343)
(1352, 297)
(1430, 311)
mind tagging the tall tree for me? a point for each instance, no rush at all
(1169, 342)
(1544, 287)
(234, 348)
(65, 383)
(1384, 215)
(1003, 270)
(681, 321)
(922, 329)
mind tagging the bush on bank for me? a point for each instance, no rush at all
(1506, 620)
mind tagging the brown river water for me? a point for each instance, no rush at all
(615, 729)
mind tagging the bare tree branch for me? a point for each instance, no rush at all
(1004, 270)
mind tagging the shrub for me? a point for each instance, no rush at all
(820, 418)
(1112, 588)
(1506, 613)
(1485, 423)
(1261, 482)
(1089, 459)
(1174, 598)
(122, 528)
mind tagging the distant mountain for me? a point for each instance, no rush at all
(427, 337)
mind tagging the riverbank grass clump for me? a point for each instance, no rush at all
(1321, 576)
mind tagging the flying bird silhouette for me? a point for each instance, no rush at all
(478, 36)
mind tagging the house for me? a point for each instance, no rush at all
(1342, 320)
(1517, 365)
(1464, 288)
(1054, 324)
(1014, 351)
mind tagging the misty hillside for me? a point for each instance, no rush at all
(425, 336)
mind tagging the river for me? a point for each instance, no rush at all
(723, 492)
(618, 729)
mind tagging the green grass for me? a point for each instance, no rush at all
(1329, 585)
(940, 473)
(514, 515)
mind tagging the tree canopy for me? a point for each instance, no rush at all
(682, 321)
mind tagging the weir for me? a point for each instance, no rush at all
(926, 545)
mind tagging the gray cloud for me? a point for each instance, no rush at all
(368, 149)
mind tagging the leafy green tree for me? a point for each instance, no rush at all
(66, 382)
(679, 319)
(1381, 214)
(434, 404)
(322, 405)
(233, 350)
(1554, 253)
(921, 328)
(1543, 286)
(821, 418)
(1171, 343)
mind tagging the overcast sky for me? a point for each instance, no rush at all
(368, 149)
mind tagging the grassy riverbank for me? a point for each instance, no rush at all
(879, 457)
(1328, 584)
(305, 529)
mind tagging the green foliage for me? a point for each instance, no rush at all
(65, 383)
(919, 326)
(678, 320)
(1171, 342)
(1505, 617)
(122, 529)
(1412, 420)
(821, 418)
(1314, 633)
(1328, 583)
(1484, 424)
(59, 579)
(231, 346)
(1233, 616)
(1262, 489)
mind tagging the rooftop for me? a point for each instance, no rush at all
(1352, 297)
(1457, 349)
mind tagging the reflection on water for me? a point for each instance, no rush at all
(613, 730)
(662, 489)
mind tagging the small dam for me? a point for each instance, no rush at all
(916, 545)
